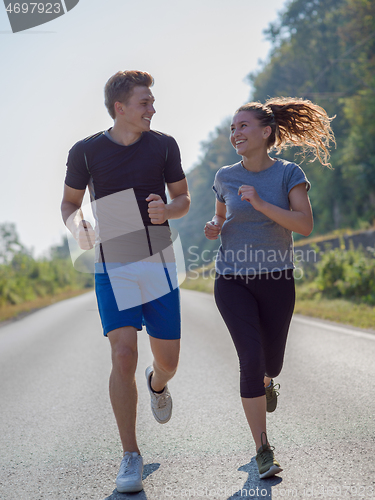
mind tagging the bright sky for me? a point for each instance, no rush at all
(52, 80)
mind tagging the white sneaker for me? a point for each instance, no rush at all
(129, 478)
(161, 404)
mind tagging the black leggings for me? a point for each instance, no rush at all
(257, 311)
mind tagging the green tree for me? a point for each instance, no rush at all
(358, 155)
(9, 242)
(216, 152)
(324, 51)
(23, 278)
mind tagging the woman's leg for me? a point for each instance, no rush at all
(257, 313)
(239, 309)
(276, 299)
(255, 411)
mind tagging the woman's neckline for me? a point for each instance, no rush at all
(259, 171)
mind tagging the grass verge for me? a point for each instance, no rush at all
(201, 284)
(338, 310)
(15, 311)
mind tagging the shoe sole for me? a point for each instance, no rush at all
(162, 421)
(130, 489)
(272, 403)
(271, 472)
(271, 406)
(149, 371)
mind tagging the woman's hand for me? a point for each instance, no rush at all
(212, 230)
(298, 218)
(248, 193)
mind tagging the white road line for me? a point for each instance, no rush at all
(334, 328)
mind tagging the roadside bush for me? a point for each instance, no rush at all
(25, 279)
(348, 274)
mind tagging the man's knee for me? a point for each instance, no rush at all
(124, 348)
(168, 365)
(166, 354)
(167, 361)
(124, 359)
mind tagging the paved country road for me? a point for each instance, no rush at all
(58, 438)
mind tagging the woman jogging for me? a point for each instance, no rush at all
(260, 201)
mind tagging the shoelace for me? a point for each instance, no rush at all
(130, 464)
(266, 456)
(161, 401)
(274, 389)
(125, 464)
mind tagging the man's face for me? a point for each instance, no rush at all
(139, 110)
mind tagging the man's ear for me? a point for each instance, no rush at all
(119, 108)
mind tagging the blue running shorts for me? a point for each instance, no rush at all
(139, 294)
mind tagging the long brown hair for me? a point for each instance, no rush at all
(295, 122)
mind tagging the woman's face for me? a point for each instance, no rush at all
(247, 134)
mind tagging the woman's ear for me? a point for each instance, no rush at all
(267, 132)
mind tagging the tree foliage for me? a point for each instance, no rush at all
(216, 152)
(23, 278)
(9, 242)
(324, 51)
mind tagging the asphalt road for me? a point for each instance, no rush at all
(58, 438)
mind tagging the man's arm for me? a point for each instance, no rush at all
(159, 212)
(71, 212)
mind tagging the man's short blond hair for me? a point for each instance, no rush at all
(119, 87)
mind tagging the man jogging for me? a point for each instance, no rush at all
(126, 169)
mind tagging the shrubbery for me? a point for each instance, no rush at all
(348, 274)
(23, 278)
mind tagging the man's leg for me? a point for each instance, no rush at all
(166, 355)
(122, 385)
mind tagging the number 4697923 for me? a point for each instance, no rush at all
(37, 8)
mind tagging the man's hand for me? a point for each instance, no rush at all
(85, 235)
(157, 209)
(212, 230)
(81, 230)
(249, 194)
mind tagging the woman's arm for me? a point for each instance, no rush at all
(213, 227)
(299, 219)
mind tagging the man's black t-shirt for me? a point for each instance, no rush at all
(107, 167)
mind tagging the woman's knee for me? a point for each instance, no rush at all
(252, 388)
(274, 369)
(251, 379)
